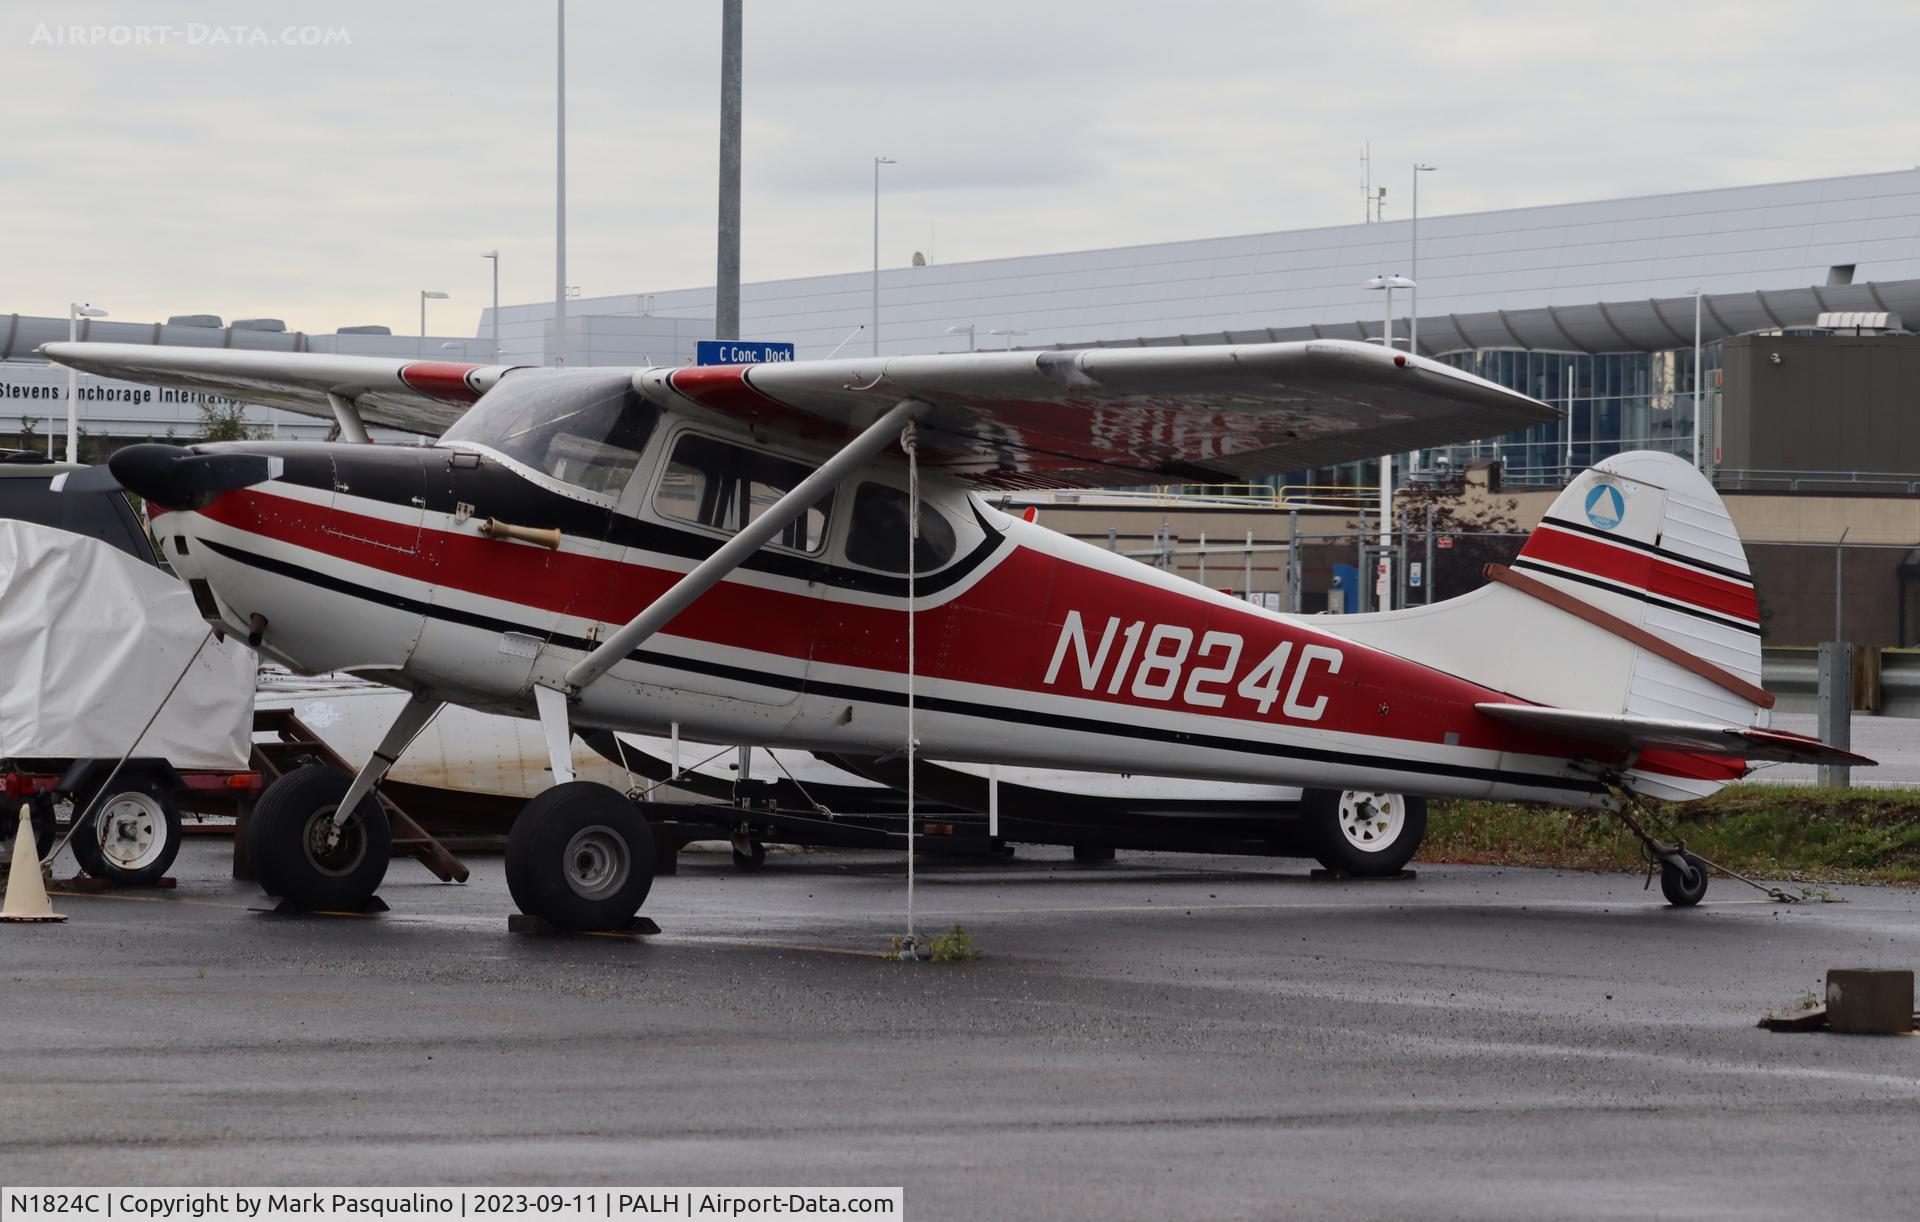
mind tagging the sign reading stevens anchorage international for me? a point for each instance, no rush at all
(740, 352)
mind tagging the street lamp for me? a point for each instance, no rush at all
(1385, 585)
(76, 311)
(426, 294)
(967, 330)
(877, 163)
(1008, 333)
(494, 257)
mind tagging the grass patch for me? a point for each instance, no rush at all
(1782, 832)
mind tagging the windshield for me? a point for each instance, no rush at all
(584, 428)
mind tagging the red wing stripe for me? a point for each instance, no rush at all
(725, 388)
(442, 380)
(1647, 573)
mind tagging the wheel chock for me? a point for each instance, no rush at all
(1342, 876)
(27, 901)
(87, 882)
(524, 923)
(273, 905)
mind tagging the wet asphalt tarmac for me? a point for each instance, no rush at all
(1161, 1038)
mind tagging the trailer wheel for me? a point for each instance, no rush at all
(129, 836)
(299, 855)
(580, 857)
(1370, 833)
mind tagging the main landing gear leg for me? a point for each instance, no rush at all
(319, 837)
(580, 855)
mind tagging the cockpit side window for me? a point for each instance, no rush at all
(711, 483)
(585, 431)
(877, 537)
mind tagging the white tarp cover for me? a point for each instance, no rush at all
(90, 640)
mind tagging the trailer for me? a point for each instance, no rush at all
(119, 708)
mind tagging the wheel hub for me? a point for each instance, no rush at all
(130, 830)
(1371, 821)
(596, 863)
(334, 849)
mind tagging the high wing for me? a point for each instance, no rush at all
(1623, 731)
(1097, 417)
(1106, 417)
(411, 396)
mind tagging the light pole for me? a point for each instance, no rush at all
(877, 163)
(560, 189)
(967, 330)
(76, 311)
(1413, 270)
(1385, 584)
(1696, 378)
(1008, 333)
(425, 294)
(493, 256)
(1413, 264)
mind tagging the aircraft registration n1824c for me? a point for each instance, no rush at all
(795, 555)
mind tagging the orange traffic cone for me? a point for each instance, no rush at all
(26, 893)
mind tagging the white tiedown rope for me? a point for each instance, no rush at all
(910, 442)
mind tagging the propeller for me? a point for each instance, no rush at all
(174, 476)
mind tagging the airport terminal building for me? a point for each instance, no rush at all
(1588, 306)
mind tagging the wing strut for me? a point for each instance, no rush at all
(709, 572)
(347, 415)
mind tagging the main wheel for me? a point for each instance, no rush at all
(129, 836)
(1366, 832)
(580, 857)
(1683, 888)
(298, 853)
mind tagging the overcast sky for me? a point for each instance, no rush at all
(176, 157)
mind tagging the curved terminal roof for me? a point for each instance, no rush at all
(1522, 277)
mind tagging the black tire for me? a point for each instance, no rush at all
(141, 836)
(1684, 888)
(753, 859)
(580, 857)
(666, 858)
(1368, 833)
(46, 833)
(1092, 854)
(287, 841)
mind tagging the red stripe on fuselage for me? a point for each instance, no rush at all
(1002, 632)
(1643, 571)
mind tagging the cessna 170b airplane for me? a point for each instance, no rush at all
(793, 555)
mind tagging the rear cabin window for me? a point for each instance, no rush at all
(584, 430)
(878, 537)
(711, 483)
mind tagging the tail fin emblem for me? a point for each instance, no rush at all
(1605, 506)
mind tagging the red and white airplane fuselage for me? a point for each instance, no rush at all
(737, 553)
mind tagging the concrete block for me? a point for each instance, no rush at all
(1870, 1000)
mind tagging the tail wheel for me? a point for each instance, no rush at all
(129, 836)
(1368, 832)
(580, 857)
(1684, 887)
(300, 854)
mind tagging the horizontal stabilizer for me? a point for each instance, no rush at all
(1627, 732)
